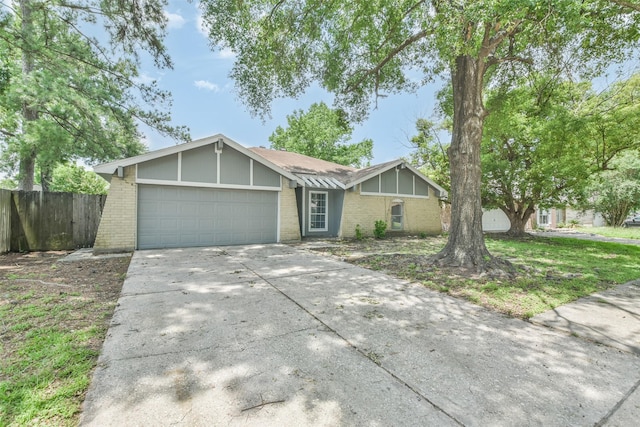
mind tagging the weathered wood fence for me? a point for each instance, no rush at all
(38, 221)
(5, 220)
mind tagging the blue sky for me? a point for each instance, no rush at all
(205, 101)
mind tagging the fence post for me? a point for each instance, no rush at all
(5, 220)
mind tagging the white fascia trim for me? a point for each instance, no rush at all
(111, 167)
(279, 214)
(412, 196)
(442, 192)
(205, 185)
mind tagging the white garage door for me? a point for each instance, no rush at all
(495, 220)
(170, 217)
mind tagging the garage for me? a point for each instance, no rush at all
(495, 220)
(173, 216)
(208, 192)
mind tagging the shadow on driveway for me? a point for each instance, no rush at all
(274, 335)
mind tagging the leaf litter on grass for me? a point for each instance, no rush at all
(550, 271)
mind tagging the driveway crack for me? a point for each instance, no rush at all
(617, 406)
(363, 352)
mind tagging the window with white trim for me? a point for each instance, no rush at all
(396, 216)
(543, 218)
(318, 211)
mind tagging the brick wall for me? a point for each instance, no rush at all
(289, 223)
(117, 230)
(420, 215)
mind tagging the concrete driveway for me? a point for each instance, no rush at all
(275, 335)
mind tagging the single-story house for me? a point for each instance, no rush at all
(214, 191)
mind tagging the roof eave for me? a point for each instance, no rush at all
(108, 169)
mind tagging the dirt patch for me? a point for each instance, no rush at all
(54, 317)
(39, 277)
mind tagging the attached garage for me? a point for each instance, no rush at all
(209, 192)
(170, 216)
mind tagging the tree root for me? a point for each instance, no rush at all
(488, 266)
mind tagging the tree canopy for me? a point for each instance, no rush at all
(361, 51)
(68, 94)
(615, 192)
(70, 178)
(546, 144)
(430, 153)
(322, 133)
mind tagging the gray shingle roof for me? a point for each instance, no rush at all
(322, 174)
(305, 165)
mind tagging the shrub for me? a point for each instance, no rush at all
(380, 229)
(359, 234)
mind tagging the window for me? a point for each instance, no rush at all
(317, 211)
(396, 216)
(543, 218)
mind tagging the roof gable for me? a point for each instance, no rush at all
(307, 168)
(106, 170)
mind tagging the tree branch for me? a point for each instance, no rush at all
(627, 4)
(376, 70)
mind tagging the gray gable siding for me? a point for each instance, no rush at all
(235, 168)
(200, 165)
(405, 182)
(402, 182)
(264, 176)
(388, 181)
(210, 167)
(422, 188)
(371, 185)
(163, 168)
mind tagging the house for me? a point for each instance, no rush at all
(214, 191)
(494, 220)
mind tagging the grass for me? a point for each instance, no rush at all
(551, 271)
(619, 232)
(44, 375)
(50, 340)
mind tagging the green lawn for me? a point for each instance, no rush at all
(550, 271)
(53, 319)
(619, 232)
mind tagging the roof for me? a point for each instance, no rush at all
(307, 171)
(106, 170)
(301, 164)
(323, 174)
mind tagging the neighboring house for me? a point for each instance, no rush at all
(214, 191)
(494, 220)
(560, 217)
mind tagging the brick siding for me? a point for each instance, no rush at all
(420, 215)
(117, 230)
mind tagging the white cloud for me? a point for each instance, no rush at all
(225, 53)
(202, 26)
(174, 20)
(206, 85)
(144, 79)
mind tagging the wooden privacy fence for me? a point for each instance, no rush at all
(39, 221)
(5, 220)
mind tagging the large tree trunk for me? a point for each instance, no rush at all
(29, 114)
(27, 171)
(518, 218)
(466, 247)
